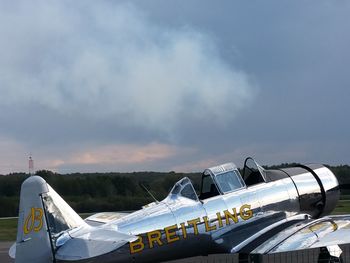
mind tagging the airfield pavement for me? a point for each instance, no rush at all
(5, 246)
(4, 252)
(303, 256)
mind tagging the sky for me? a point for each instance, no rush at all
(99, 86)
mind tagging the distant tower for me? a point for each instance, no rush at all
(31, 165)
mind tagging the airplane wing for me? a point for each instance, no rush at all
(104, 218)
(313, 233)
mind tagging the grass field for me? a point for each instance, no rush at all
(343, 207)
(8, 229)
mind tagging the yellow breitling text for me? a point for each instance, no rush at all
(173, 233)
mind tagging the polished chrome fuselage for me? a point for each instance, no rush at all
(180, 227)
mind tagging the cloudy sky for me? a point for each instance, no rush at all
(172, 85)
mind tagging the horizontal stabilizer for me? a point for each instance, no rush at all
(93, 243)
(12, 251)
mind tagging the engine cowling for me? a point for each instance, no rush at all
(317, 187)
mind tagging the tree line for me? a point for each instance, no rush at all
(96, 192)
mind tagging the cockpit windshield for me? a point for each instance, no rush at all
(253, 173)
(220, 179)
(229, 181)
(184, 188)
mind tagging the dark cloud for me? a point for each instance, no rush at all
(205, 82)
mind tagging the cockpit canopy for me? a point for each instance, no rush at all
(253, 173)
(226, 178)
(221, 179)
(184, 188)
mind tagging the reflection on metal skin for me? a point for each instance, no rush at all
(289, 195)
(231, 214)
(317, 187)
(216, 224)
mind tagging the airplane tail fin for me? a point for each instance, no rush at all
(43, 215)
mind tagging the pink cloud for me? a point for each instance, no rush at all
(124, 154)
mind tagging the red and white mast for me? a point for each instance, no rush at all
(31, 165)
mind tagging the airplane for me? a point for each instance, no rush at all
(259, 211)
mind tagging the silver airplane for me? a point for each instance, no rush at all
(261, 211)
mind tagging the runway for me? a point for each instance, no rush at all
(302, 256)
(5, 246)
(4, 250)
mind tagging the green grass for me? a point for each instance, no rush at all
(343, 207)
(8, 229)
(345, 197)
